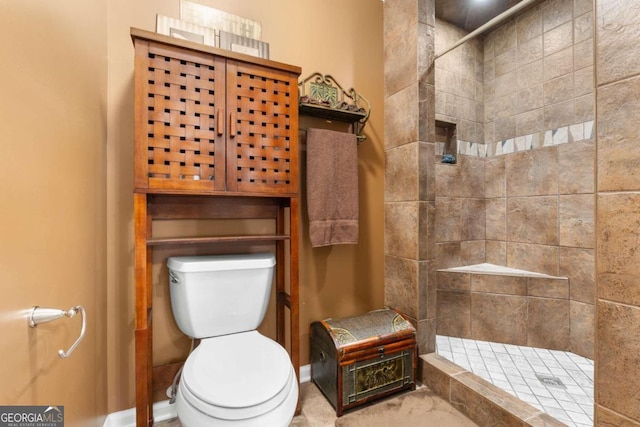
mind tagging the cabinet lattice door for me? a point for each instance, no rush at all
(210, 124)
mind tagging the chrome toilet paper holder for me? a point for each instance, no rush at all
(40, 315)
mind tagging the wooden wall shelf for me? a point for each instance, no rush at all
(214, 239)
(322, 96)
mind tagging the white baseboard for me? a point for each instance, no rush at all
(305, 374)
(163, 411)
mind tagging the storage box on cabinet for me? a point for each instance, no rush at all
(207, 122)
(358, 359)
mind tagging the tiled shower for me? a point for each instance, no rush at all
(521, 194)
(522, 191)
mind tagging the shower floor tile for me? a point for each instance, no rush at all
(556, 382)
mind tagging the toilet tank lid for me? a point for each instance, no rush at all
(192, 264)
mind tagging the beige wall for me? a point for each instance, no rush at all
(340, 38)
(53, 203)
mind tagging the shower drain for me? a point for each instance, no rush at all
(550, 381)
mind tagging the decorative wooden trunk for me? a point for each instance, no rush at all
(358, 359)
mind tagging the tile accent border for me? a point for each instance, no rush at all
(562, 135)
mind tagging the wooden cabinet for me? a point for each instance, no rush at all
(208, 123)
(216, 137)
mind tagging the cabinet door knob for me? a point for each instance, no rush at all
(220, 121)
(232, 125)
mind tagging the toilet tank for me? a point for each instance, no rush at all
(220, 294)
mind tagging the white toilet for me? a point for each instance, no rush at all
(236, 376)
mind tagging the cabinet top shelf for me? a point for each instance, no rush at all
(137, 33)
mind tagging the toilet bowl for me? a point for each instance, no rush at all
(242, 379)
(235, 376)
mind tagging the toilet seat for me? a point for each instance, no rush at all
(237, 376)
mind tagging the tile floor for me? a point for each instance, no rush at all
(530, 374)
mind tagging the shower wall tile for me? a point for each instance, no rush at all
(427, 289)
(450, 217)
(453, 281)
(548, 287)
(558, 64)
(426, 107)
(537, 258)
(475, 398)
(559, 115)
(496, 252)
(401, 284)
(583, 81)
(533, 220)
(505, 128)
(426, 230)
(426, 171)
(427, 12)
(505, 38)
(505, 83)
(583, 54)
(496, 219)
(426, 335)
(454, 254)
(583, 27)
(454, 313)
(530, 51)
(548, 323)
(618, 30)
(401, 117)
(558, 38)
(436, 373)
(530, 75)
(618, 258)
(400, 26)
(606, 418)
(585, 107)
(529, 24)
(618, 357)
(530, 98)
(582, 6)
(464, 179)
(576, 167)
(504, 107)
(401, 173)
(556, 12)
(582, 329)
(618, 155)
(558, 90)
(401, 229)
(579, 266)
(576, 220)
(532, 173)
(497, 284)
(506, 61)
(530, 122)
(494, 177)
(488, 312)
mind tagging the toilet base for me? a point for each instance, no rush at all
(280, 416)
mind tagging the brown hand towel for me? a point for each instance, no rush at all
(332, 187)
